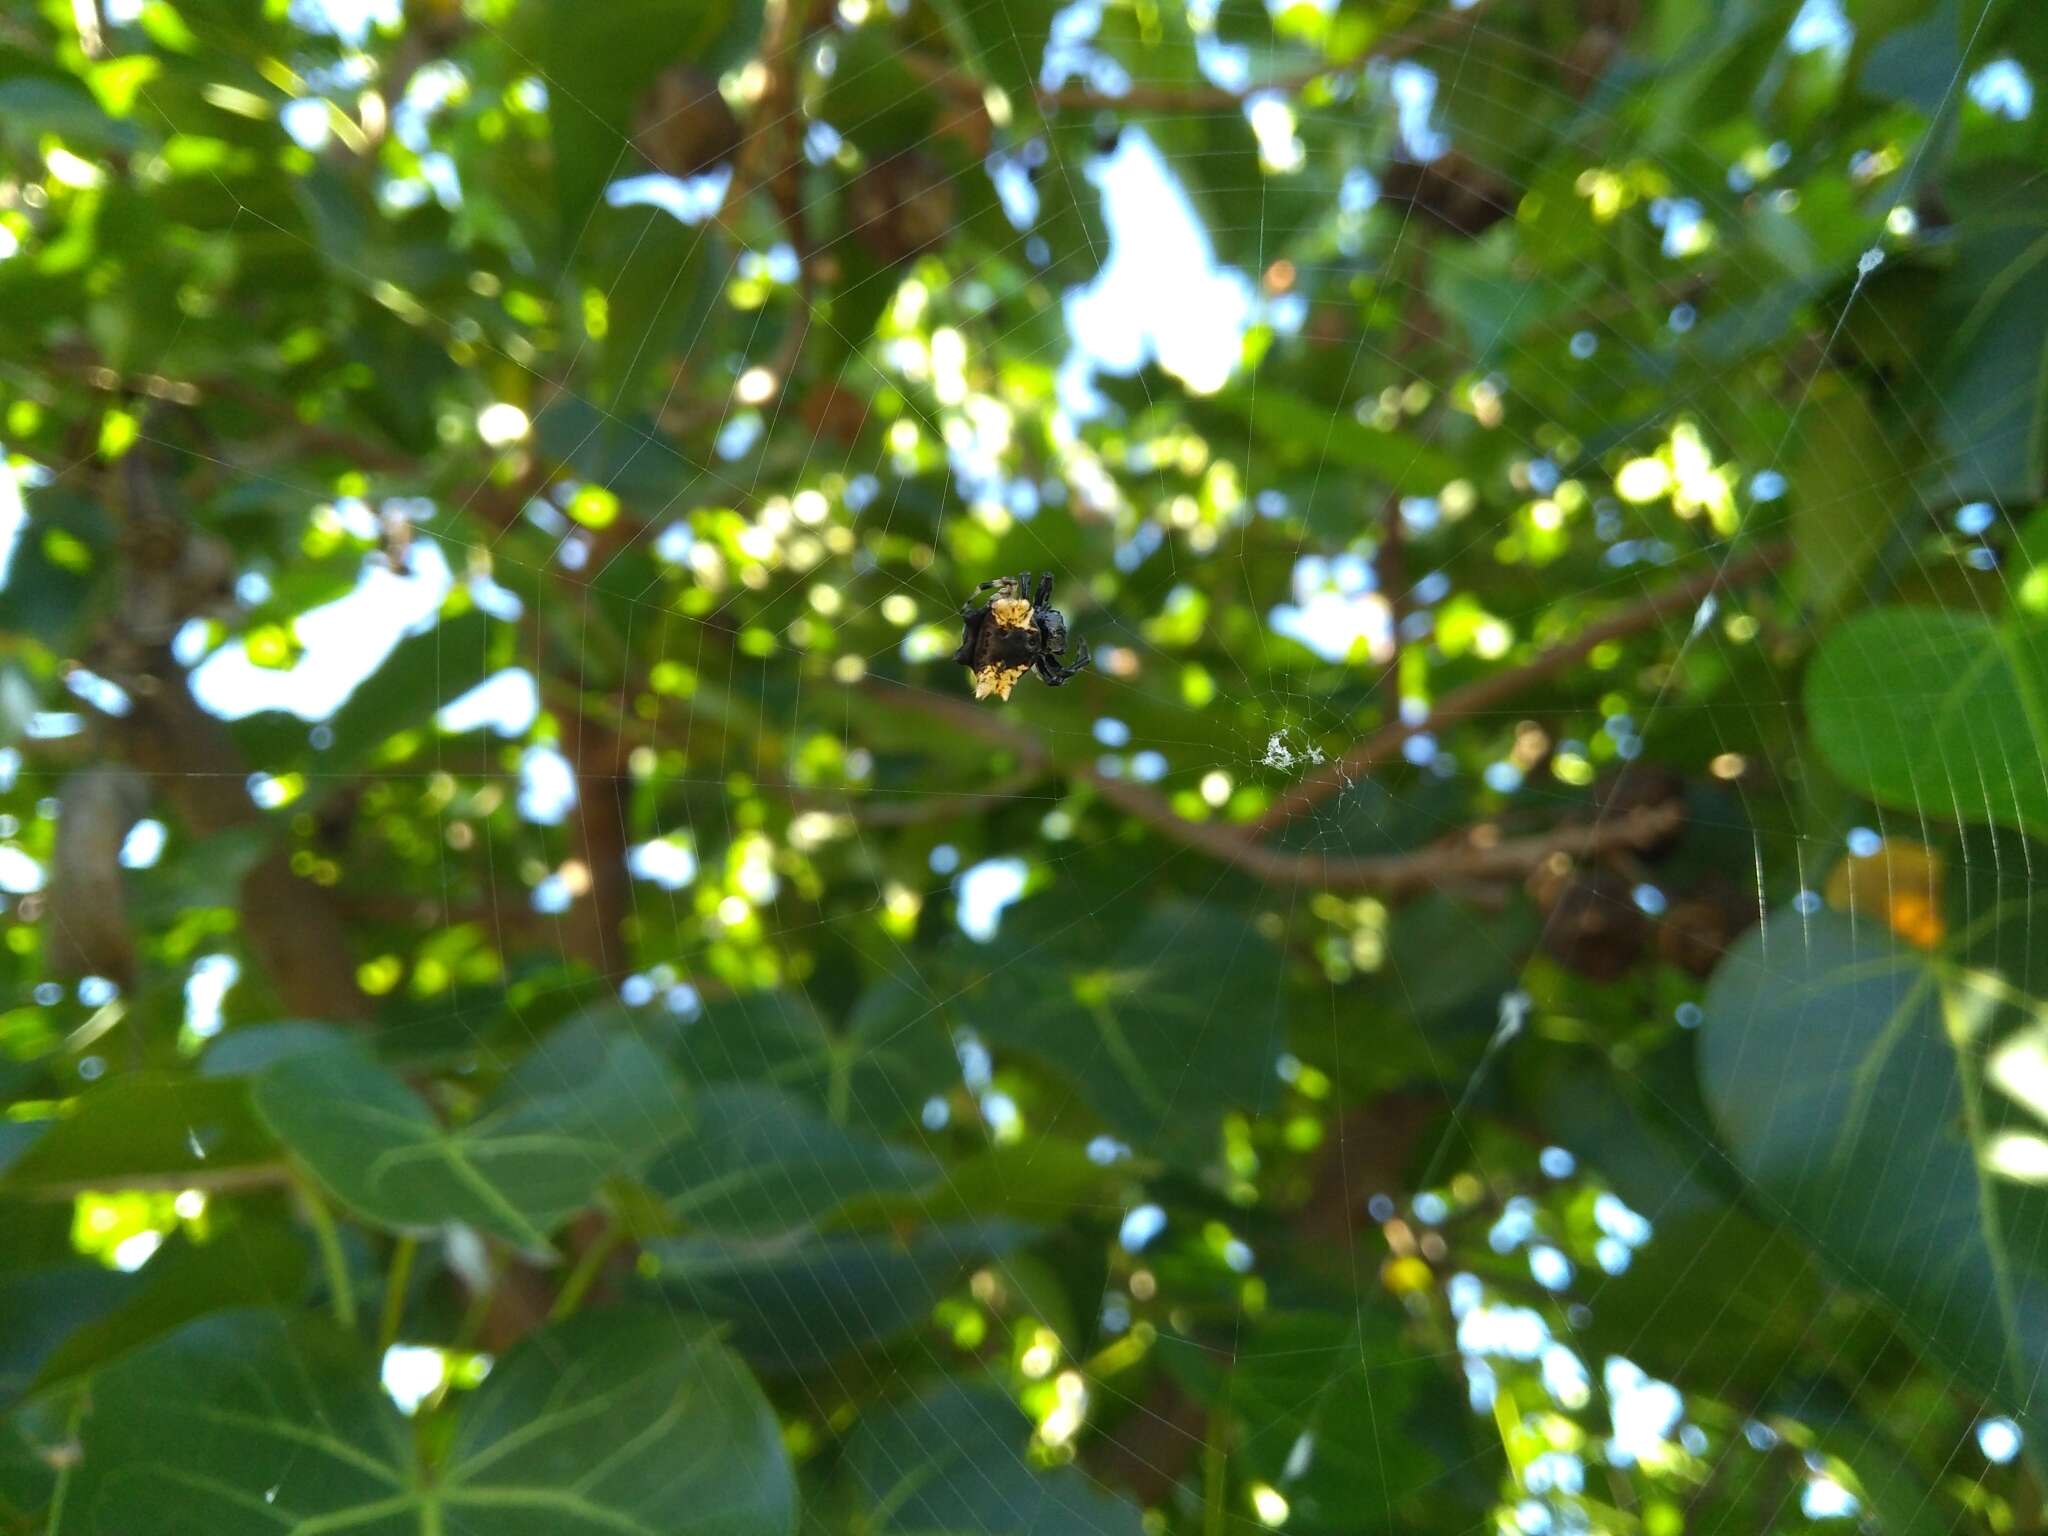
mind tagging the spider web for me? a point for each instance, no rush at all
(1279, 732)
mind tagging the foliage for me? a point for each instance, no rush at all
(1509, 997)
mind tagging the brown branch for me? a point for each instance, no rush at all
(211, 1180)
(1479, 855)
(1498, 687)
(596, 918)
(775, 164)
(87, 913)
(169, 574)
(290, 923)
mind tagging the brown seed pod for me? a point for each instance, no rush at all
(1594, 926)
(683, 125)
(1697, 931)
(1603, 27)
(901, 207)
(832, 412)
(1453, 191)
(1638, 787)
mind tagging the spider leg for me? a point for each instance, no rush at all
(1044, 591)
(1054, 674)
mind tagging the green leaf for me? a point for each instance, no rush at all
(1936, 711)
(1453, 959)
(151, 1128)
(622, 1423)
(58, 560)
(1341, 1386)
(1992, 385)
(251, 1264)
(599, 61)
(956, 1462)
(1899, 1498)
(1007, 45)
(795, 1303)
(1844, 477)
(34, 105)
(525, 1163)
(1846, 1074)
(422, 673)
(758, 1164)
(40, 1309)
(1161, 1030)
(247, 1051)
(660, 294)
(1300, 433)
(875, 1071)
(1720, 1300)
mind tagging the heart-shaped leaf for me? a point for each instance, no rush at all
(617, 1423)
(1339, 1443)
(1846, 507)
(152, 1128)
(1939, 712)
(795, 1302)
(758, 1163)
(876, 1070)
(574, 1113)
(956, 1462)
(1847, 1075)
(1161, 1032)
(254, 1263)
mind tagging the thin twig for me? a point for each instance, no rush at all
(396, 1283)
(1479, 855)
(334, 1260)
(1498, 687)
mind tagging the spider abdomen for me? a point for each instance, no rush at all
(1013, 635)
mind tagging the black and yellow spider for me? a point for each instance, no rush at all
(1015, 633)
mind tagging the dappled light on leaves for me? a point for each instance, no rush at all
(1492, 985)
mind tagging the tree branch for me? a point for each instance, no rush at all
(1497, 687)
(1479, 854)
(598, 837)
(170, 574)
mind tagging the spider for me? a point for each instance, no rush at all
(1014, 634)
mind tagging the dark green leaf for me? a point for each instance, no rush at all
(516, 1170)
(1161, 1032)
(1939, 712)
(1992, 384)
(607, 1425)
(1325, 1416)
(150, 1128)
(1846, 1074)
(1299, 432)
(599, 63)
(795, 1302)
(1846, 478)
(250, 1264)
(244, 1052)
(955, 1462)
(876, 1072)
(758, 1163)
